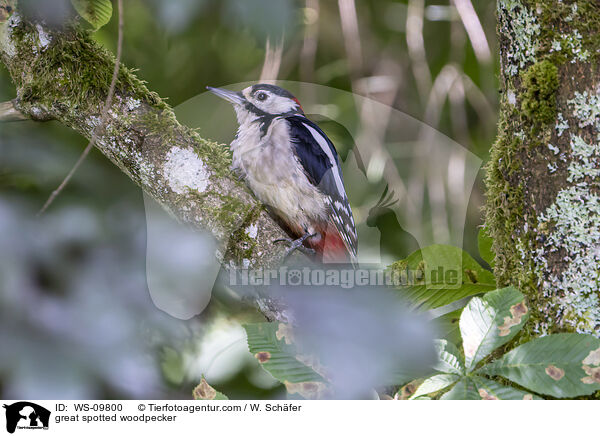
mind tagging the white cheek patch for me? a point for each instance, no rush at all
(282, 105)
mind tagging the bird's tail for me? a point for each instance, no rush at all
(330, 247)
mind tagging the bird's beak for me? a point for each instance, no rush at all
(225, 94)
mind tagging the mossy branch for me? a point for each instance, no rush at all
(64, 75)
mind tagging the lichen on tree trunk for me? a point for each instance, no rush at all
(543, 178)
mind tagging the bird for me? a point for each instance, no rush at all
(292, 168)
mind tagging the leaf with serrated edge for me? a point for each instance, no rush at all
(449, 360)
(463, 390)
(491, 321)
(563, 365)
(492, 390)
(434, 384)
(95, 12)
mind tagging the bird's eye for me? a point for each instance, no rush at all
(261, 96)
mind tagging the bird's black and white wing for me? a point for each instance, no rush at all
(319, 158)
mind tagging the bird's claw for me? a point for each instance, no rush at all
(297, 244)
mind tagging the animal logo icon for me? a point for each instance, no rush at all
(26, 415)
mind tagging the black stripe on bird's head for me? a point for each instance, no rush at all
(261, 100)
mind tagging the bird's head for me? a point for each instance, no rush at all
(260, 100)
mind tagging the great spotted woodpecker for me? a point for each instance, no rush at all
(293, 168)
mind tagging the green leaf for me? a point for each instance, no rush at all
(562, 365)
(492, 390)
(438, 275)
(449, 360)
(400, 376)
(271, 343)
(484, 241)
(491, 321)
(447, 326)
(434, 384)
(407, 391)
(95, 12)
(172, 365)
(204, 391)
(463, 390)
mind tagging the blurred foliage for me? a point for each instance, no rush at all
(87, 253)
(95, 12)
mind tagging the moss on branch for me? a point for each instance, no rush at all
(540, 83)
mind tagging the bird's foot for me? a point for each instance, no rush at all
(297, 244)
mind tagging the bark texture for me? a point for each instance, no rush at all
(543, 179)
(64, 75)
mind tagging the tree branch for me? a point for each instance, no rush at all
(107, 103)
(64, 75)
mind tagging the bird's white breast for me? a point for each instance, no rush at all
(274, 174)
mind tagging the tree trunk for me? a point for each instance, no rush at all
(543, 178)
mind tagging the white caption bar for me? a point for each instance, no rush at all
(298, 417)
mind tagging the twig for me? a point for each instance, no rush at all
(474, 30)
(103, 117)
(479, 101)
(351, 35)
(8, 112)
(309, 45)
(416, 46)
(270, 69)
